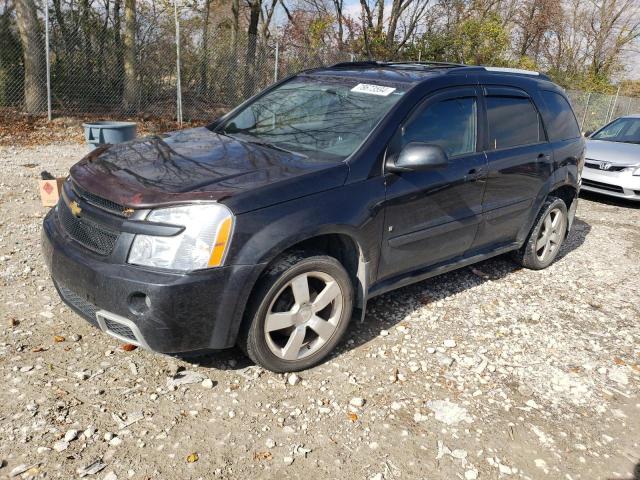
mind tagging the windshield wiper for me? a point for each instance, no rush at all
(254, 140)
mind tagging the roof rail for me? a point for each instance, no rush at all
(427, 63)
(361, 63)
(374, 63)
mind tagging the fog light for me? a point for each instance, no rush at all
(139, 303)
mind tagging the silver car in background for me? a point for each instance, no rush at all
(612, 163)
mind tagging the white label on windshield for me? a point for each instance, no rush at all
(373, 89)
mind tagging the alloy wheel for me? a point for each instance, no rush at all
(550, 235)
(303, 316)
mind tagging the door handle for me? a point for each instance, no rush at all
(473, 174)
(544, 156)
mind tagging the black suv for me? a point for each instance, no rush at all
(271, 227)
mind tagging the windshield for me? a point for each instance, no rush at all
(324, 118)
(621, 130)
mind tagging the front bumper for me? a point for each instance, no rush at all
(165, 312)
(616, 184)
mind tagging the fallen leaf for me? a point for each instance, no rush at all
(262, 456)
(39, 349)
(129, 347)
(192, 458)
(58, 338)
(352, 416)
(618, 361)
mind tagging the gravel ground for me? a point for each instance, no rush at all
(488, 372)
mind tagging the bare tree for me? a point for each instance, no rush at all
(613, 26)
(35, 92)
(130, 94)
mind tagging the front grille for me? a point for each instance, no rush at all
(119, 329)
(85, 308)
(86, 232)
(602, 186)
(612, 168)
(97, 201)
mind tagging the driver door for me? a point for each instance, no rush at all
(432, 216)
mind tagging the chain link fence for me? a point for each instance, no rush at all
(89, 74)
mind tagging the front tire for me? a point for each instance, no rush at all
(546, 236)
(298, 313)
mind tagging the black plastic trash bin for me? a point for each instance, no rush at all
(99, 133)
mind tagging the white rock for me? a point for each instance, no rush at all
(540, 463)
(185, 377)
(110, 476)
(115, 442)
(61, 446)
(287, 460)
(618, 375)
(459, 453)
(448, 412)
(377, 476)
(449, 343)
(471, 474)
(89, 431)
(207, 383)
(431, 350)
(109, 436)
(293, 379)
(70, 435)
(357, 402)
(270, 443)
(419, 417)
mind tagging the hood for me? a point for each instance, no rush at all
(618, 153)
(198, 164)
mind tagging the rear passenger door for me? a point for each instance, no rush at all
(519, 159)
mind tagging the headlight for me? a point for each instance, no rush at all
(203, 243)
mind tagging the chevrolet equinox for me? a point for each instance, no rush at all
(271, 227)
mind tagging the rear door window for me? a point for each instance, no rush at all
(512, 122)
(560, 119)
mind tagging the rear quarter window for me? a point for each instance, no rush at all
(559, 117)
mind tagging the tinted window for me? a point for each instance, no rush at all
(449, 123)
(560, 120)
(513, 121)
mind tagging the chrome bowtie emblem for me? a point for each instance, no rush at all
(605, 165)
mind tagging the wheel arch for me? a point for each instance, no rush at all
(336, 243)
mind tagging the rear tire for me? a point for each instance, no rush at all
(546, 236)
(298, 313)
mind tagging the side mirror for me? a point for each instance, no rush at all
(417, 156)
(588, 133)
